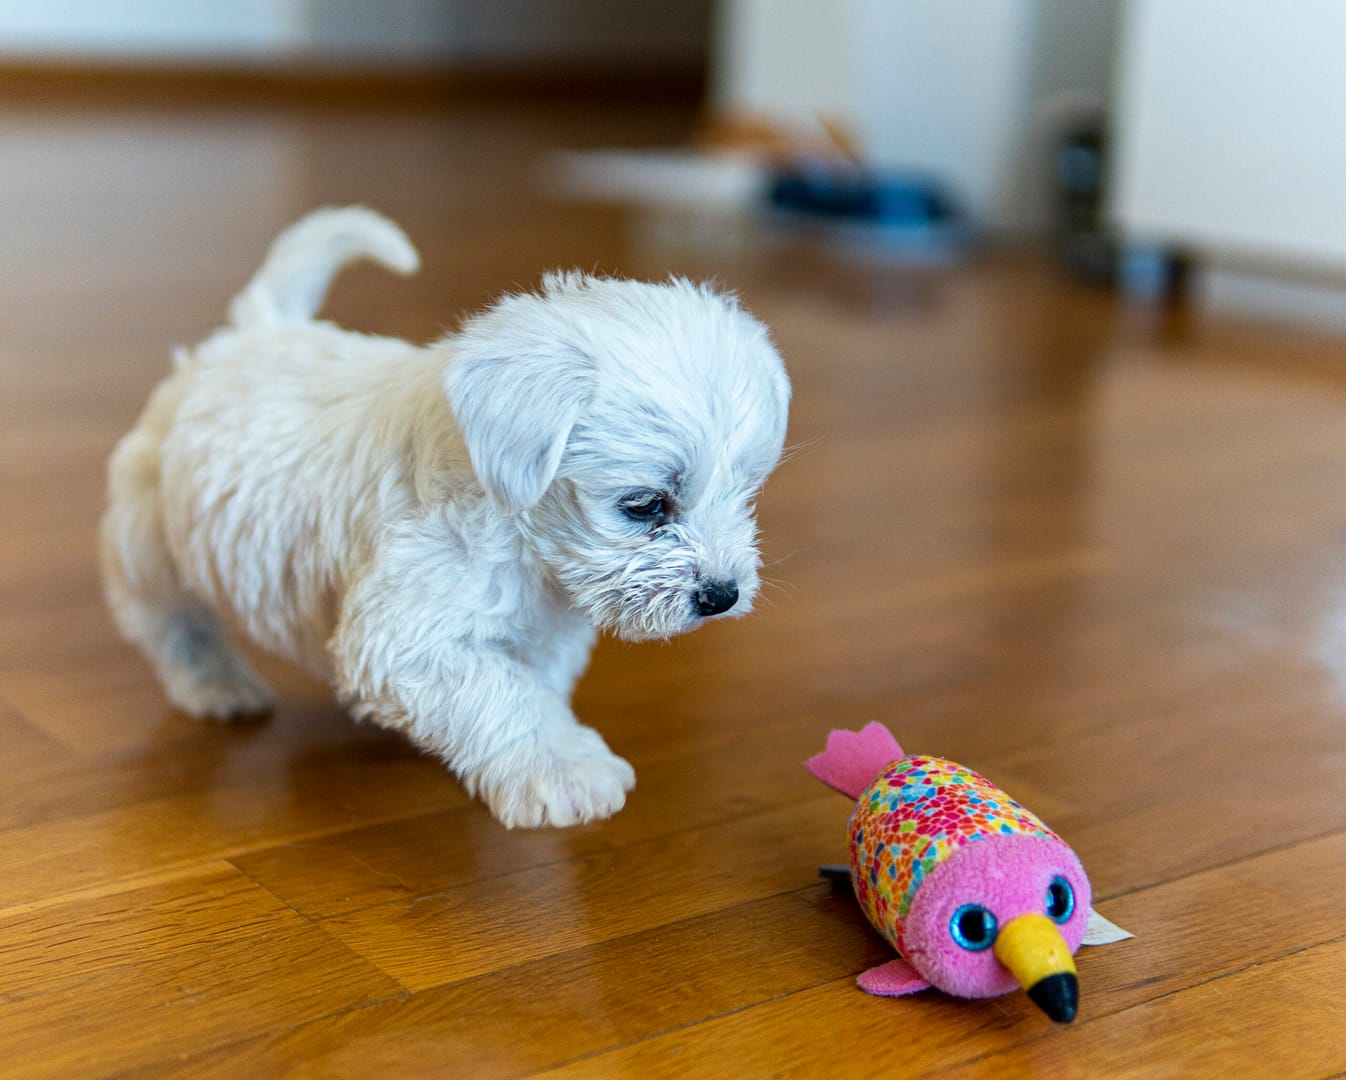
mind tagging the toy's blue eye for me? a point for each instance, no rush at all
(973, 927)
(1060, 900)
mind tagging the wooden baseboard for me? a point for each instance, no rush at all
(325, 84)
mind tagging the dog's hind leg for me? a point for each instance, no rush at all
(180, 635)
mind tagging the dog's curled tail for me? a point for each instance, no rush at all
(294, 278)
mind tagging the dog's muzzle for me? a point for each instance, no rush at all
(715, 597)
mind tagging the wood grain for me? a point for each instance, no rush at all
(1096, 552)
(1292, 1028)
(576, 1003)
(126, 978)
(1190, 933)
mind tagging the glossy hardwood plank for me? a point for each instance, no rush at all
(459, 932)
(102, 983)
(1192, 934)
(1294, 1031)
(109, 927)
(662, 983)
(28, 750)
(546, 1011)
(1218, 921)
(223, 816)
(414, 858)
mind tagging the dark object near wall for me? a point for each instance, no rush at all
(1084, 245)
(869, 210)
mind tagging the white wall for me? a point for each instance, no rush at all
(141, 29)
(786, 60)
(945, 91)
(1230, 129)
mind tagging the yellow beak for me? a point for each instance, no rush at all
(1036, 954)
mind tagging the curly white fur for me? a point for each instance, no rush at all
(439, 530)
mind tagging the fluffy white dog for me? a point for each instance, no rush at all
(439, 530)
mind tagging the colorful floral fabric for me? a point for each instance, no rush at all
(915, 814)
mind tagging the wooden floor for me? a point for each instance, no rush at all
(1097, 555)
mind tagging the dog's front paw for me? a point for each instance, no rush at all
(225, 691)
(559, 778)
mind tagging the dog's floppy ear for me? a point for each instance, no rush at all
(516, 402)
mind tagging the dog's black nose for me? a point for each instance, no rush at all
(715, 597)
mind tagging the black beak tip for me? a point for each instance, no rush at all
(1058, 996)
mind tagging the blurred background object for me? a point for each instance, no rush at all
(1141, 137)
(973, 95)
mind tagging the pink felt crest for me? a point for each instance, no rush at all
(893, 979)
(853, 758)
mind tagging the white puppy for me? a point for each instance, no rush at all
(439, 530)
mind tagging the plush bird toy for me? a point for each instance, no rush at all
(974, 892)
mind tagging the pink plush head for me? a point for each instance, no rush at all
(975, 892)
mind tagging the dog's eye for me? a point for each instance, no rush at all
(645, 506)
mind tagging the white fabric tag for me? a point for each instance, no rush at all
(1102, 932)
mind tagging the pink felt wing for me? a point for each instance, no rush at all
(893, 979)
(853, 758)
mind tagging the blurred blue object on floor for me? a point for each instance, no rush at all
(880, 211)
